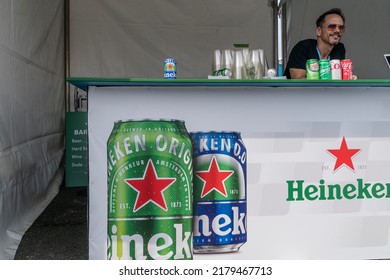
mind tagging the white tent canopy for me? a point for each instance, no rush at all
(119, 38)
(31, 113)
(132, 38)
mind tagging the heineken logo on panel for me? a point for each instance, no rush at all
(344, 156)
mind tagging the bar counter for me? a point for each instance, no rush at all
(84, 83)
(318, 180)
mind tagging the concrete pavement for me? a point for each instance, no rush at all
(60, 232)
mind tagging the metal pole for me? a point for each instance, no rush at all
(280, 40)
(281, 45)
(274, 5)
(66, 52)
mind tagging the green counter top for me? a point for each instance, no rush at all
(84, 83)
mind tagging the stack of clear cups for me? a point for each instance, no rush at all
(255, 56)
(217, 61)
(227, 59)
(238, 65)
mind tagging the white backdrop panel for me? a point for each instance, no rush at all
(120, 38)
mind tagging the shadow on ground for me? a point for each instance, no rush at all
(60, 232)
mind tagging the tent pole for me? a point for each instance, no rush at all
(66, 53)
(279, 35)
(274, 6)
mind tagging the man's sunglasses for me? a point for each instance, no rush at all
(332, 27)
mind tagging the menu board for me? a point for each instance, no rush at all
(76, 149)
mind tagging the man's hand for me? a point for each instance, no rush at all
(296, 73)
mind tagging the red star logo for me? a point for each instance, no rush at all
(150, 188)
(214, 178)
(344, 156)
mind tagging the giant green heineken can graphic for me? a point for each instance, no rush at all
(149, 168)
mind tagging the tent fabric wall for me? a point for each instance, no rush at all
(366, 38)
(131, 39)
(31, 113)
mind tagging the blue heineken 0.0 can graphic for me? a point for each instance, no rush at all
(170, 68)
(219, 164)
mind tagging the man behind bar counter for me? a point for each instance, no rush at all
(330, 29)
